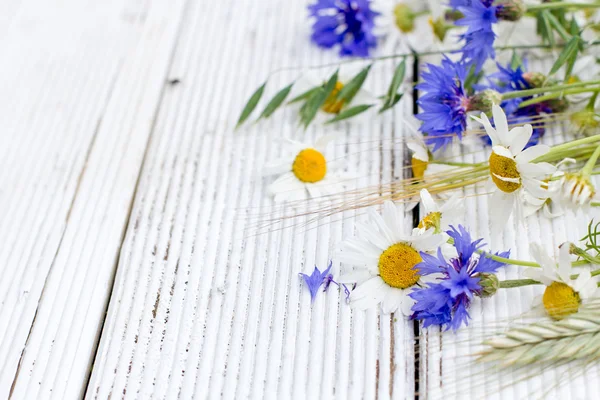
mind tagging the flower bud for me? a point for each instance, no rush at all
(404, 17)
(510, 10)
(439, 27)
(585, 121)
(489, 285)
(484, 100)
(535, 79)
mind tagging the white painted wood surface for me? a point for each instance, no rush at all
(119, 162)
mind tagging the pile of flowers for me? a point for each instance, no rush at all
(468, 95)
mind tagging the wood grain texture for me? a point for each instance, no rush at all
(85, 80)
(206, 306)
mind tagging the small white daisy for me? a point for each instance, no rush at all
(306, 173)
(385, 261)
(563, 295)
(439, 217)
(511, 169)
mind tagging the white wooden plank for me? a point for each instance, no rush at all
(447, 360)
(56, 85)
(203, 305)
(128, 46)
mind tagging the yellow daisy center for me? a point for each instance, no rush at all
(396, 266)
(405, 18)
(418, 167)
(504, 167)
(560, 300)
(310, 166)
(431, 220)
(332, 105)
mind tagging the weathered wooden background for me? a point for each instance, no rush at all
(131, 264)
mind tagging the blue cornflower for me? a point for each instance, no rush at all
(509, 79)
(349, 23)
(317, 279)
(446, 302)
(444, 104)
(479, 17)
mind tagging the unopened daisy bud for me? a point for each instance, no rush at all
(585, 121)
(440, 27)
(535, 79)
(404, 17)
(484, 100)
(577, 188)
(489, 285)
(510, 10)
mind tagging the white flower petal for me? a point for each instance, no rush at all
(502, 151)
(519, 138)
(406, 305)
(564, 263)
(484, 120)
(501, 207)
(392, 300)
(532, 153)
(579, 284)
(357, 276)
(428, 202)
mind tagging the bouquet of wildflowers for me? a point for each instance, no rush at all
(477, 93)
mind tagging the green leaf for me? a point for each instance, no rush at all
(309, 110)
(544, 28)
(276, 101)
(387, 106)
(251, 104)
(396, 82)
(350, 112)
(304, 95)
(567, 55)
(557, 26)
(351, 88)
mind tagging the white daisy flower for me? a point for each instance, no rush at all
(439, 217)
(385, 261)
(306, 173)
(511, 169)
(551, 204)
(563, 295)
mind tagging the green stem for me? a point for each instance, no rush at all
(560, 5)
(589, 165)
(511, 283)
(555, 95)
(548, 89)
(425, 53)
(566, 146)
(457, 164)
(509, 260)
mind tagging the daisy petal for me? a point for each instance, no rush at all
(519, 138)
(532, 153)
